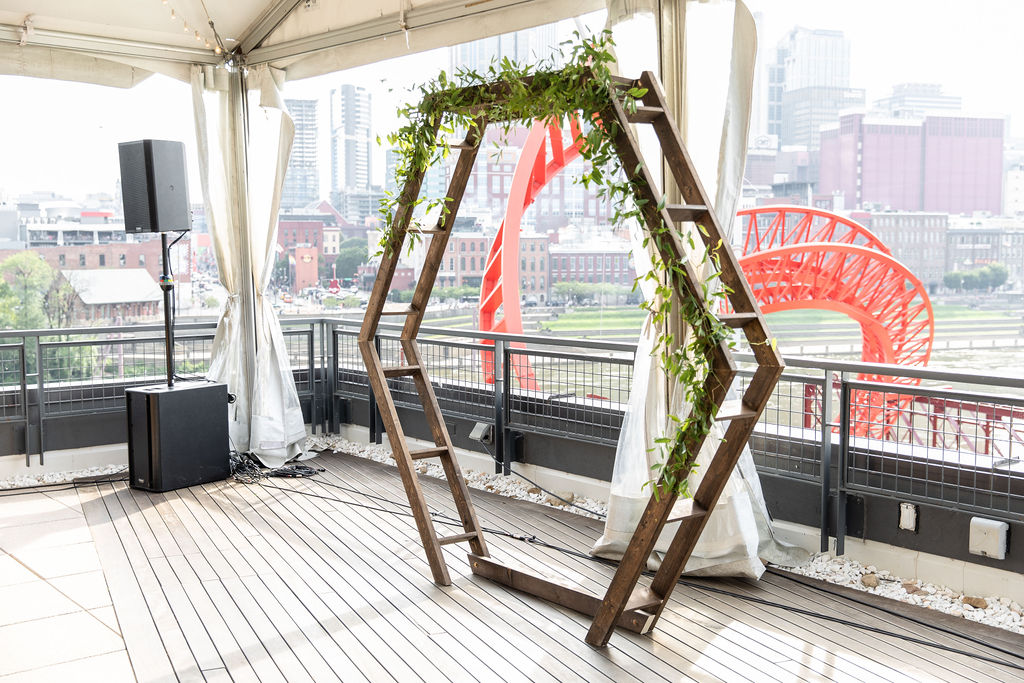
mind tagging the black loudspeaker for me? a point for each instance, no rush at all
(177, 436)
(154, 188)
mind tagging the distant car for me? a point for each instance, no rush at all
(286, 298)
(530, 302)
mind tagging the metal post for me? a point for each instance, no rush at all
(238, 112)
(312, 377)
(40, 395)
(844, 447)
(375, 420)
(167, 285)
(333, 378)
(24, 399)
(502, 465)
(826, 456)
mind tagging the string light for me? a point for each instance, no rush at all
(216, 45)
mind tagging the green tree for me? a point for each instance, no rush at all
(971, 280)
(953, 280)
(997, 275)
(350, 258)
(29, 277)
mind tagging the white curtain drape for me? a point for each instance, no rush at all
(242, 177)
(739, 531)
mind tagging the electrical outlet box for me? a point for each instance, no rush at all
(988, 538)
(908, 517)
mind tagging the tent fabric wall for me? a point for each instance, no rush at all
(63, 65)
(738, 531)
(248, 353)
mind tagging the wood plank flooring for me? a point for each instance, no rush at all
(324, 579)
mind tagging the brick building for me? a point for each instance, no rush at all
(941, 163)
(916, 239)
(591, 261)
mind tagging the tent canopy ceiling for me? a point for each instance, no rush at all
(305, 37)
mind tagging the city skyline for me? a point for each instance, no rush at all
(901, 44)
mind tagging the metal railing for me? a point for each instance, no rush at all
(948, 439)
(84, 371)
(942, 442)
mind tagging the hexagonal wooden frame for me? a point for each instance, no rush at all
(636, 608)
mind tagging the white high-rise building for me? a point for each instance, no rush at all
(302, 181)
(351, 138)
(809, 85)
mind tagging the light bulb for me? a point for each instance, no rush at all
(185, 26)
(207, 44)
(173, 14)
(164, 1)
(217, 50)
(198, 36)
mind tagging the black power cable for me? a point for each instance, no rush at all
(553, 495)
(948, 631)
(63, 486)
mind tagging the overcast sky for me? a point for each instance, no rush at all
(62, 136)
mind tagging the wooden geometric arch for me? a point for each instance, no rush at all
(625, 604)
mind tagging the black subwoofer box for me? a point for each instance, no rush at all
(177, 436)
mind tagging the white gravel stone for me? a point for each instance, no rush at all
(512, 486)
(1001, 612)
(28, 480)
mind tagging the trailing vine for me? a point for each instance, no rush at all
(507, 94)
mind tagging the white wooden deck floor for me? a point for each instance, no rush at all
(235, 582)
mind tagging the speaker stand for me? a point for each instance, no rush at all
(167, 285)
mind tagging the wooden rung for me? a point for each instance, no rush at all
(644, 114)
(398, 310)
(734, 410)
(457, 538)
(427, 231)
(686, 212)
(461, 144)
(696, 512)
(428, 453)
(643, 598)
(737, 320)
(400, 370)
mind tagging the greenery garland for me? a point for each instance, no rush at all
(509, 95)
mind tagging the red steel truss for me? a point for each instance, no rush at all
(794, 257)
(544, 154)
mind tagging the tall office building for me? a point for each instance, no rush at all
(810, 84)
(916, 100)
(351, 138)
(524, 47)
(302, 181)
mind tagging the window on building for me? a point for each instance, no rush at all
(122, 260)
(61, 260)
(462, 246)
(451, 263)
(533, 266)
(462, 262)
(472, 263)
(103, 260)
(472, 246)
(142, 260)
